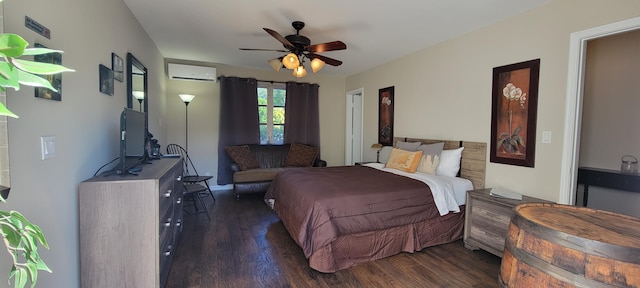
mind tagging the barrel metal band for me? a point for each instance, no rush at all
(554, 271)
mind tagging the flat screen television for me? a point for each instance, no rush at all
(133, 133)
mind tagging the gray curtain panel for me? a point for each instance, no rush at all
(302, 122)
(239, 122)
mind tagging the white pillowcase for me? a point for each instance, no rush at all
(450, 162)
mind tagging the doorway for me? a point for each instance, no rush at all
(575, 90)
(353, 137)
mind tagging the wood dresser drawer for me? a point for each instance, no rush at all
(127, 220)
(487, 220)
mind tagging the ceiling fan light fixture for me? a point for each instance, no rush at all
(316, 65)
(299, 71)
(275, 63)
(291, 61)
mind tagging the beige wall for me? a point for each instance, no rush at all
(85, 122)
(610, 114)
(445, 91)
(204, 113)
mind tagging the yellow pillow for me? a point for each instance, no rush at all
(403, 160)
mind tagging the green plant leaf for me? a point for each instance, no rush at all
(29, 79)
(9, 76)
(5, 112)
(21, 277)
(40, 68)
(12, 45)
(39, 51)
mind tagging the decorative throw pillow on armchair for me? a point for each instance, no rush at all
(301, 155)
(242, 156)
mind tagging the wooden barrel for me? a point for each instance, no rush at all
(554, 245)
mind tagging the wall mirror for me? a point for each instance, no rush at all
(136, 84)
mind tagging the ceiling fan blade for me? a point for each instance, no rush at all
(330, 61)
(279, 37)
(252, 49)
(329, 46)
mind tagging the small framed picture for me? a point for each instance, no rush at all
(55, 79)
(106, 80)
(117, 66)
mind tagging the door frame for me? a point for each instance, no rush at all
(575, 90)
(349, 124)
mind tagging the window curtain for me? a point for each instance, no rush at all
(239, 123)
(302, 120)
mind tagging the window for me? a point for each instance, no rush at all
(271, 99)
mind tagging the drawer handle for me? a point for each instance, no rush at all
(168, 194)
(168, 252)
(168, 223)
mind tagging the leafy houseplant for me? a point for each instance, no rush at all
(21, 237)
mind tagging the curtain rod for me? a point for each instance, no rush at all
(270, 81)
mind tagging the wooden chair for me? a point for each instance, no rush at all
(195, 185)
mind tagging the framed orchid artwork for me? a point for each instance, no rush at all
(385, 116)
(514, 105)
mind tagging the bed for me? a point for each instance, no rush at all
(345, 215)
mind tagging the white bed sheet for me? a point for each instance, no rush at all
(448, 192)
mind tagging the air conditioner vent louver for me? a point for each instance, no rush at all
(191, 72)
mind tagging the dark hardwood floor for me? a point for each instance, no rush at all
(246, 245)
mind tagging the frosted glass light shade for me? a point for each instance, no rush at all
(186, 98)
(139, 95)
(275, 63)
(291, 61)
(316, 65)
(300, 71)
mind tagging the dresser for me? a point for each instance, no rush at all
(130, 226)
(487, 220)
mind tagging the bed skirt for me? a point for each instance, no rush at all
(349, 250)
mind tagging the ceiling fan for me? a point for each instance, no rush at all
(300, 48)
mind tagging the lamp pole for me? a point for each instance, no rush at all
(186, 98)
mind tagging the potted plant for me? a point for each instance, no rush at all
(20, 236)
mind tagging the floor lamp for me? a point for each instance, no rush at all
(186, 98)
(139, 95)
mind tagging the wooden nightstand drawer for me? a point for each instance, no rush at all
(487, 220)
(492, 214)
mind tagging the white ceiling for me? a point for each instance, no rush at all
(375, 31)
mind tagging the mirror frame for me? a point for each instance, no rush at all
(132, 61)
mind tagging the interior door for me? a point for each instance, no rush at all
(353, 145)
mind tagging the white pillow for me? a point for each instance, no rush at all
(450, 162)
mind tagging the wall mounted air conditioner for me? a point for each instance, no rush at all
(191, 72)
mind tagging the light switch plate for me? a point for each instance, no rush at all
(546, 136)
(48, 146)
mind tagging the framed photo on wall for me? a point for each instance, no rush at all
(106, 80)
(117, 66)
(385, 116)
(55, 79)
(514, 107)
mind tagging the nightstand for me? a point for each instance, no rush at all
(487, 220)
